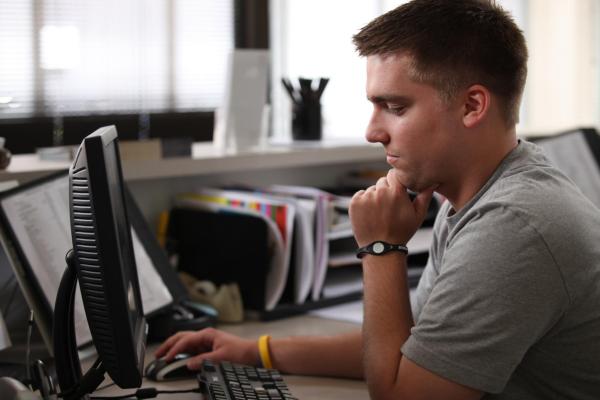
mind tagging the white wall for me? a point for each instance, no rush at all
(562, 87)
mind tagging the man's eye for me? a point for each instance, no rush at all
(395, 109)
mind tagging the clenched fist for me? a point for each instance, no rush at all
(385, 212)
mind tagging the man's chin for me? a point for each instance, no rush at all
(419, 187)
(412, 184)
(408, 182)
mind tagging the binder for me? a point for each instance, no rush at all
(223, 248)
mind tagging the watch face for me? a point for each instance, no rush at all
(378, 248)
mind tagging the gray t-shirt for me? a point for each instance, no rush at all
(509, 302)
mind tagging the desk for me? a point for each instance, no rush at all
(303, 387)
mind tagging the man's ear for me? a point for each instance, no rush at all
(476, 105)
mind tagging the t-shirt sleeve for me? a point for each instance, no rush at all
(431, 268)
(423, 289)
(497, 293)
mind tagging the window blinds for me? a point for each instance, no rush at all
(73, 57)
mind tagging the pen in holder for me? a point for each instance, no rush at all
(306, 119)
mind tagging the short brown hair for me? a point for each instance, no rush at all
(454, 44)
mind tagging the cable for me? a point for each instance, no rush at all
(96, 363)
(88, 383)
(145, 393)
(28, 349)
(92, 380)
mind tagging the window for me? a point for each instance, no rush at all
(17, 82)
(98, 56)
(308, 40)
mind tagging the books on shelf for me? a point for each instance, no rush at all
(304, 236)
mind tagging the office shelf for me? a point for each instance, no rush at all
(207, 160)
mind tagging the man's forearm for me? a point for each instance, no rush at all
(338, 356)
(387, 321)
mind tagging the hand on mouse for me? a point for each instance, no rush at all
(210, 344)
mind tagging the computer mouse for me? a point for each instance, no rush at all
(163, 370)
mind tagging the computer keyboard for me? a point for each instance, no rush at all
(228, 381)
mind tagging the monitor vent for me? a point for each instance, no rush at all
(89, 270)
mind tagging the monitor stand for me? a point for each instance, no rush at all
(68, 368)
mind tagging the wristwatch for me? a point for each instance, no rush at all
(379, 247)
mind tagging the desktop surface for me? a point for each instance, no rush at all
(302, 387)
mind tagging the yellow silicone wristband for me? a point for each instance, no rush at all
(263, 350)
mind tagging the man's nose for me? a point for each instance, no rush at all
(376, 132)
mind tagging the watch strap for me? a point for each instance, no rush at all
(379, 247)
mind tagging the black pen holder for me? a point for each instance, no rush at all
(307, 121)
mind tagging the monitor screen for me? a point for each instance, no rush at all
(117, 230)
(37, 217)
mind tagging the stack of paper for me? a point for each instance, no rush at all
(320, 202)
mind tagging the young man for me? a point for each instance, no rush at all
(509, 303)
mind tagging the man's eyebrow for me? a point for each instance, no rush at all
(388, 99)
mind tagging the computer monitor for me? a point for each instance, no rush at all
(35, 235)
(103, 263)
